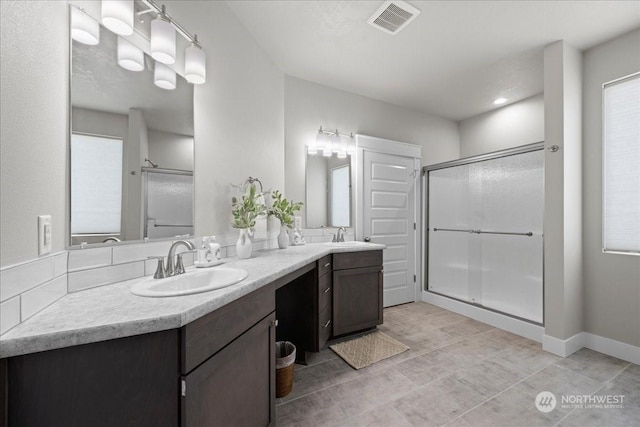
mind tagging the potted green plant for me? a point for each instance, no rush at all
(245, 211)
(283, 210)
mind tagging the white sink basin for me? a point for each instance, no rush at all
(189, 283)
(350, 243)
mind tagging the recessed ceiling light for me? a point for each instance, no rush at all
(500, 101)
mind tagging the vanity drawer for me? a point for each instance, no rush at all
(324, 265)
(205, 336)
(324, 291)
(348, 260)
(324, 326)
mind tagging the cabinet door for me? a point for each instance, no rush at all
(357, 299)
(236, 386)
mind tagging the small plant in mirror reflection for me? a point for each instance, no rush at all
(246, 209)
(283, 209)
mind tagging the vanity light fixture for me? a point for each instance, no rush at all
(130, 57)
(195, 68)
(330, 142)
(163, 39)
(164, 77)
(117, 15)
(500, 101)
(84, 28)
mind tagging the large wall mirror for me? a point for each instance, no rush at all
(328, 191)
(132, 147)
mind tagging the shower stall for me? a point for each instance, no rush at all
(168, 202)
(483, 233)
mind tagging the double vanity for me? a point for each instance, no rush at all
(105, 356)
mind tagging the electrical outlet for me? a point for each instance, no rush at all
(44, 234)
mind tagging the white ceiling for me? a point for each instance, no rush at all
(453, 60)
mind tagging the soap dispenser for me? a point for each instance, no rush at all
(208, 254)
(298, 237)
(214, 247)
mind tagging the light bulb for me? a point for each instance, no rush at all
(195, 67)
(117, 15)
(130, 57)
(84, 28)
(164, 77)
(163, 40)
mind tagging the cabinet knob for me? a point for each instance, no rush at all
(274, 322)
(326, 325)
(367, 239)
(327, 265)
(327, 290)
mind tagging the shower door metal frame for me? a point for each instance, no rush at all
(536, 146)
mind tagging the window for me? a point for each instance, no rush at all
(96, 184)
(621, 165)
(340, 197)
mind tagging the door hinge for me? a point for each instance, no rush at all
(414, 226)
(183, 388)
(414, 278)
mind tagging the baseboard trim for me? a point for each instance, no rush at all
(563, 348)
(507, 323)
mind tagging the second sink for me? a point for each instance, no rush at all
(190, 283)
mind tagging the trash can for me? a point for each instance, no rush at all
(285, 358)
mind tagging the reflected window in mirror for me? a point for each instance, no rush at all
(328, 191)
(96, 185)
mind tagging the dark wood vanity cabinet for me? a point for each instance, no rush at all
(217, 370)
(357, 291)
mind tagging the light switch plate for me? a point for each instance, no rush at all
(44, 234)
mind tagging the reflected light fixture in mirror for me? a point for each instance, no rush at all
(117, 15)
(130, 57)
(164, 77)
(84, 29)
(195, 69)
(163, 39)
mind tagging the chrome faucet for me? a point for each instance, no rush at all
(339, 236)
(178, 267)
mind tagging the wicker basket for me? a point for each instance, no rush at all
(285, 358)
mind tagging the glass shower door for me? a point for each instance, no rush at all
(485, 233)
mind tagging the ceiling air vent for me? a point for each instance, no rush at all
(393, 16)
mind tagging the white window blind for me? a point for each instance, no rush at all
(96, 184)
(621, 168)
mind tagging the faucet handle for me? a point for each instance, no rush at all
(179, 264)
(160, 271)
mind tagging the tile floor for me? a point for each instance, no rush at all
(458, 372)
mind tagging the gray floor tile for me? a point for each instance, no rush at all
(592, 364)
(490, 376)
(383, 416)
(320, 376)
(465, 328)
(437, 403)
(431, 366)
(315, 409)
(369, 391)
(530, 356)
(458, 373)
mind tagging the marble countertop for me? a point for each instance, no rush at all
(112, 311)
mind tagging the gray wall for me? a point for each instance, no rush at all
(34, 115)
(513, 125)
(239, 113)
(310, 105)
(612, 290)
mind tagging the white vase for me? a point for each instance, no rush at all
(244, 246)
(283, 237)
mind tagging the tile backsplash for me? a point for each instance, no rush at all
(28, 288)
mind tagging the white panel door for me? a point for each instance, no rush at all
(389, 217)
